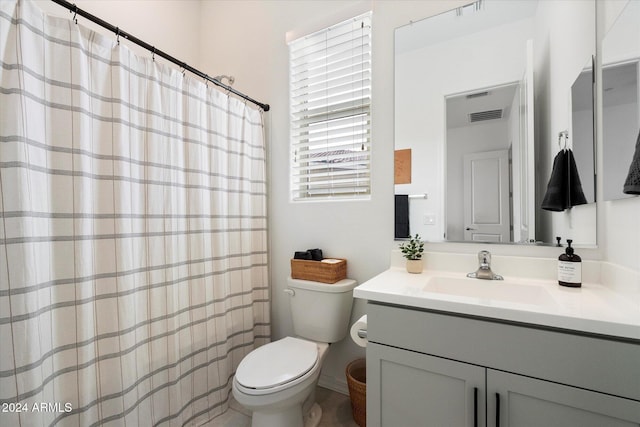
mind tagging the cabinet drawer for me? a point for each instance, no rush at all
(589, 362)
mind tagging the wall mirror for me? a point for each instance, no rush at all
(481, 94)
(620, 98)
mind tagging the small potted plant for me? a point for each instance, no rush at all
(412, 251)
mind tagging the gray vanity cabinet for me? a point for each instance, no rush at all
(428, 368)
(422, 390)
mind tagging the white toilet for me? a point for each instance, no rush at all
(277, 381)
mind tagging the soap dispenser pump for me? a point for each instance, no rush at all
(570, 268)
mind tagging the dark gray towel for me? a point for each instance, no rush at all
(632, 183)
(556, 197)
(402, 216)
(564, 189)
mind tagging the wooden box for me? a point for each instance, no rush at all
(319, 271)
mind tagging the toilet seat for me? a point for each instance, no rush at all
(276, 365)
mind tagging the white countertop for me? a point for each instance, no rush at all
(592, 308)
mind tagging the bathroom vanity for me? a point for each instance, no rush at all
(445, 350)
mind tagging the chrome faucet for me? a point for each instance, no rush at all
(484, 270)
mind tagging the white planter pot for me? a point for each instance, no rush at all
(415, 266)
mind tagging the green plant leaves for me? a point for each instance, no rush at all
(413, 249)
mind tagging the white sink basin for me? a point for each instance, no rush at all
(497, 290)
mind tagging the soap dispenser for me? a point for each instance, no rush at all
(569, 268)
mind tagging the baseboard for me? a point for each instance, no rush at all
(332, 383)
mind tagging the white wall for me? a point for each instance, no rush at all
(173, 26)
(582, 133)
(620, 132)
(622, 42)
(620, 120)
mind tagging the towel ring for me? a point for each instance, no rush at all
(563, 137)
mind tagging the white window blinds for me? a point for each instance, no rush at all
(330, 93)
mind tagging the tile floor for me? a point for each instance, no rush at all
(336, 412)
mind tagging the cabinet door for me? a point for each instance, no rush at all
(421, 390)
(527, 402)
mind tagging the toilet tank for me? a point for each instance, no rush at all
(320, 311)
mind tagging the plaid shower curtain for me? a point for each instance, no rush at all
(133, 245)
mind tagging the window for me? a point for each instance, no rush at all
(330, 95)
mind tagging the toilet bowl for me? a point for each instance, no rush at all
(277, 381)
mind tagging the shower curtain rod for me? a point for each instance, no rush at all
(121, 33)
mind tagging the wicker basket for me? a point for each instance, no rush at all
(319, 271)
(357, 382)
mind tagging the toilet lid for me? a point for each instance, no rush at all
(277, 363)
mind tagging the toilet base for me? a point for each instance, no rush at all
(290, 418)
(312, 418)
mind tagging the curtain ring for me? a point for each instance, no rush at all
(118, 35)
(153, 54)
(75, 13)
(206, 80)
